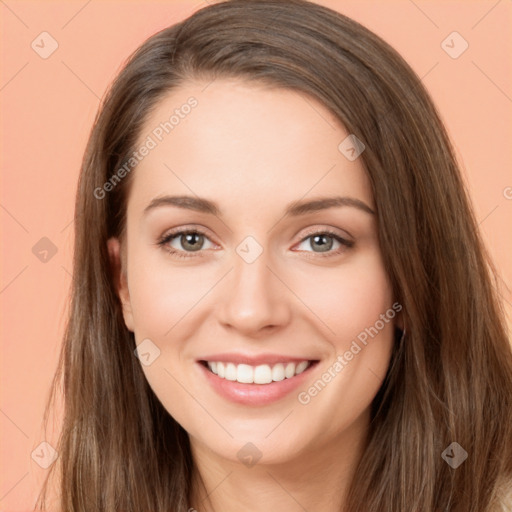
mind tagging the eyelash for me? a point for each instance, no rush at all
(163, 241)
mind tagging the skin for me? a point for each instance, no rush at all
(253, 150)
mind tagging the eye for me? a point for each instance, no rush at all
(324, 241)
(186, 243)
(183, 241)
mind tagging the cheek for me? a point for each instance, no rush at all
(352, 301)
(349, 298)
(161, 295)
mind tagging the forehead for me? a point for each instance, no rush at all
(246, 145)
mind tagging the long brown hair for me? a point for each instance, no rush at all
(450, 377)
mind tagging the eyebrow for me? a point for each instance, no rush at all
(294, 209)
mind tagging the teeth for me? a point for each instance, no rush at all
(301, 367)
(230, 372)
(289, 371)
(278, 372)
(261, 374)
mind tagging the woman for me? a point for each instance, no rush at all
(280, 297)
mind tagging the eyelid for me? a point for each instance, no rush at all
(192, 228)
(327, 229)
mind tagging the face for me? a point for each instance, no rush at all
(252, 272)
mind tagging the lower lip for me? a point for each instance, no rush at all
(254, 394)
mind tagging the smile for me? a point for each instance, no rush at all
(255, 385)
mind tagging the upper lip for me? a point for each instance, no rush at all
(254, 360)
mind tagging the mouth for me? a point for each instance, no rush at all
(261, 374)
(255, 385)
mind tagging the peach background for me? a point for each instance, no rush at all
(48, 107)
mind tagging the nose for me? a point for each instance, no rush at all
(254, 299)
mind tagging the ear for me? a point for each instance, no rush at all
(117, 264)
